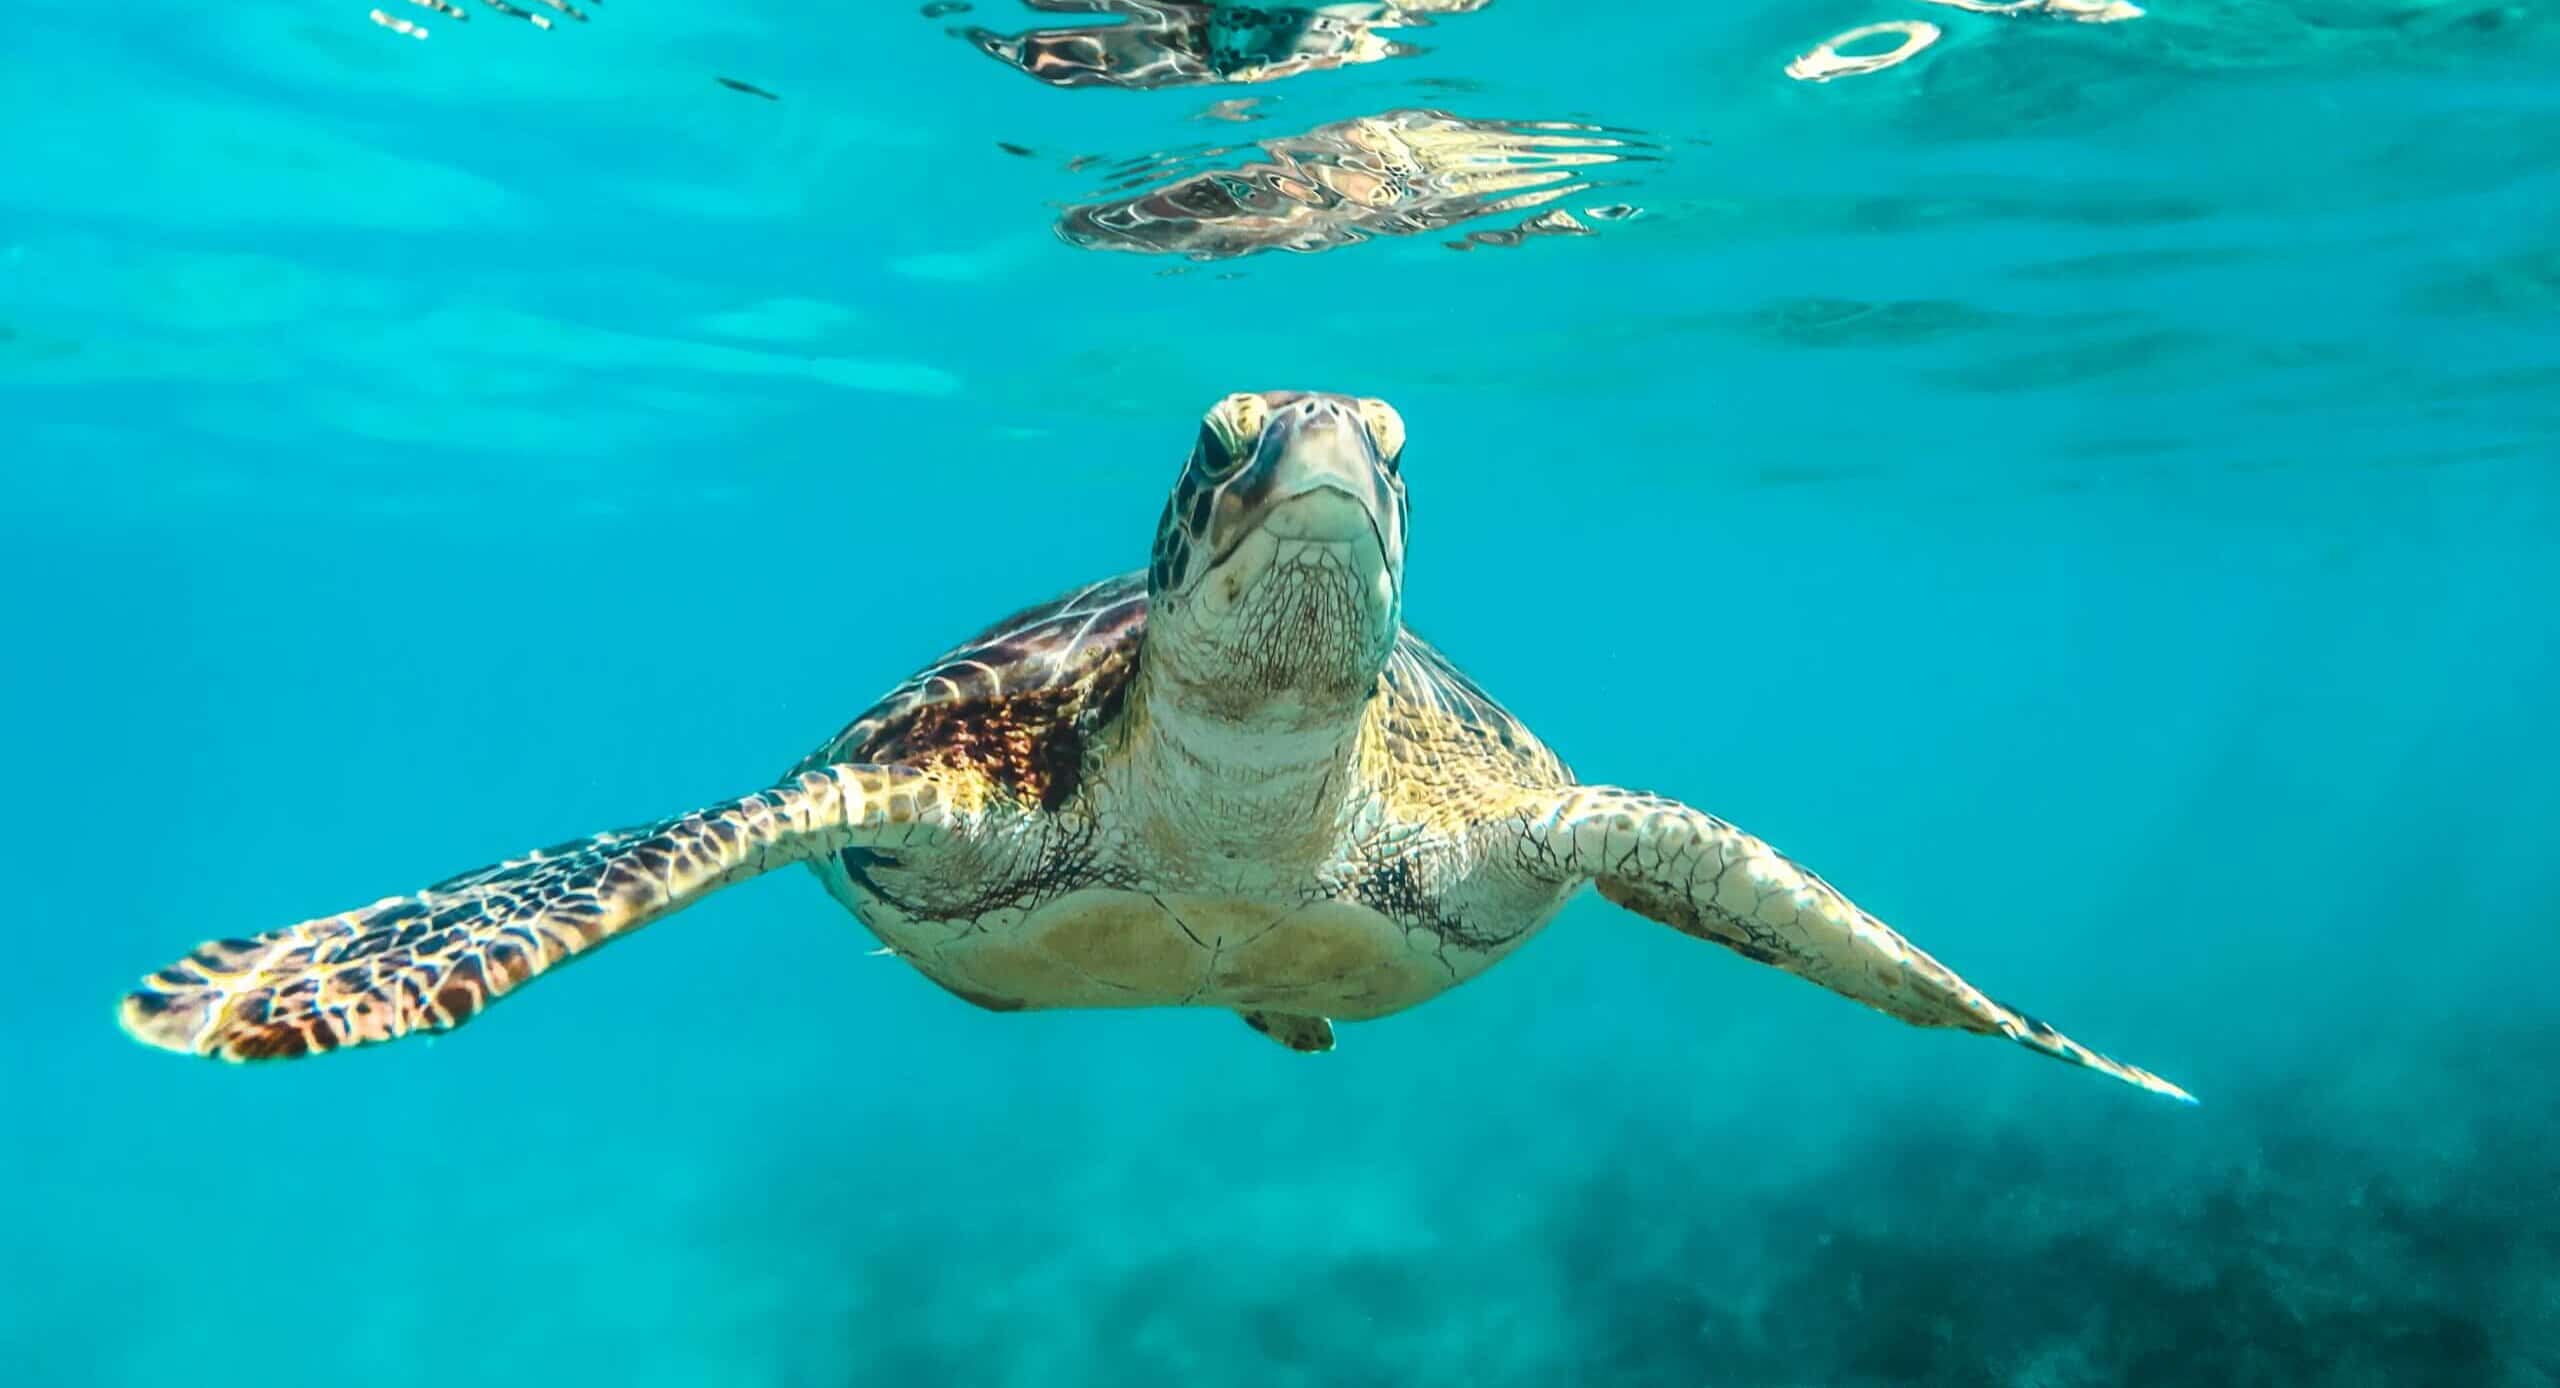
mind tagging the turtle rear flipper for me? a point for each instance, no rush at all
(432, 961)
(1303, 1034)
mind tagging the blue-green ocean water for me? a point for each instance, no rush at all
(2089, 491)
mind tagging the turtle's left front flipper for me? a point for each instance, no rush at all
(1703, 877)
(432, 961)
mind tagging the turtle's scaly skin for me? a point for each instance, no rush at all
(1234, 780)
(431, 961)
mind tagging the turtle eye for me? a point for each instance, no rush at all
(1386, 430)
(1211, 454)
(1227, 434)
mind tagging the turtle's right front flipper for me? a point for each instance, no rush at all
(433, 960)
(1705, 878)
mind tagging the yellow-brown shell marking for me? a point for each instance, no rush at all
(1016, 704)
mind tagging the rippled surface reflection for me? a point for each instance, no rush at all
(1160, 44)
(1399, 173)
(400, 20)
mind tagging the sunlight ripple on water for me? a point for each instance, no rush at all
(1400, 173)
(1156, 43)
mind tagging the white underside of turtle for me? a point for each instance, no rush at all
(1107, 948)
(1231, 781)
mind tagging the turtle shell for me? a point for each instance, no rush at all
(1016, 702)
(1020, 701)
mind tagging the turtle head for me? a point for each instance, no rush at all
(1277, 589)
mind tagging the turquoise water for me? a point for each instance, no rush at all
(2089, 491)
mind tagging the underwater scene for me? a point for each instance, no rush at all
(1170, 539)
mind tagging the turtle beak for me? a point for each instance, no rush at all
(1317, 476)
(1296, 502)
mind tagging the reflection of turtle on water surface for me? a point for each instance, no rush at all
(1233, 780)
(1167, 43)
(1398, 173)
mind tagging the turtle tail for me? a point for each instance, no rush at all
(434, 960)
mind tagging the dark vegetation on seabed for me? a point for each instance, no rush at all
(2392, 1223)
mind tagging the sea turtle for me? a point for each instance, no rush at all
(1233, 780)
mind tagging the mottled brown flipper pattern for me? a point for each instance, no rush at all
(1703, 877)
(432, 961)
